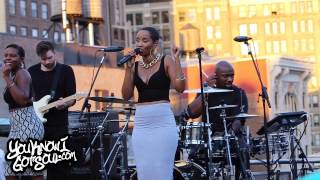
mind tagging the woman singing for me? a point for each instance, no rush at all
(155, 135)
(17, 94)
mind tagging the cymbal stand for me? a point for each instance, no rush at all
(101, 148)
(120, 146)
(226, 137)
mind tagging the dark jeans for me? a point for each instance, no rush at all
(61, 170)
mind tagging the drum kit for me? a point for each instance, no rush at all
(208, 156)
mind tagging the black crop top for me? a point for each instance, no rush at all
(10, 101)
(157, 88)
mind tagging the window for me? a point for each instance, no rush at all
(34, 9)
(282, 27)
(275, 28)
(130, 18)
(309, 6)
(276, 47)
(115, 34)
(45, 34)
(218, 33)
(166, 34)
(34, 32)
(139, 19)
(295, 26)
(12, 29)
(266, 10)
(122, 36)
(216, 12)
(44, 11)
(208, 14)
(267, 28)
(283, 46)
(23, 31)
(303, 45)
(302, 26)
(12, 7)
(253, 29)
(310, 25)
(315, 100)
(209, 32)
(155, 18)
(22, 7)
(243, 29)
(165, 16)
(316, 120)
(62, 37)
(316, 139)
(182, 16)
(56, 36)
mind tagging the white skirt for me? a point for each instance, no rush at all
(154, 140)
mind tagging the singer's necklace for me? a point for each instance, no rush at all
(151, 63)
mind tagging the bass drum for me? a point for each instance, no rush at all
(183, 170)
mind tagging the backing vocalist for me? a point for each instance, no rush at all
(155, 137)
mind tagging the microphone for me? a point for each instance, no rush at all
(112, 49)
(128, 57)
(199, 50)
(242, 38)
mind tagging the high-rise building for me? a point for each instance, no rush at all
(155, 13)
(26, 18)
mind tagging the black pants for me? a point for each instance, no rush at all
(61, 170)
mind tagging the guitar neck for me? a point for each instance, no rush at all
(55, 103)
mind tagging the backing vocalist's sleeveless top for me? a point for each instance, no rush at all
(158, 85)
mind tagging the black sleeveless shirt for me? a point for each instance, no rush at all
(10, 101)
(157, 88)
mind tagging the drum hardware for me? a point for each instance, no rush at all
(100, 149)
(120, 146)
(242, 115)
(226, 135)
(111, 99)
(192, 133)
(223, 106)
(207, 89)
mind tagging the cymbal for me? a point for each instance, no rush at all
(224, 106)
(110, 99)
(208, 90)
(242, 115)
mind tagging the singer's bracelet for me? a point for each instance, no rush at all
(182, 77)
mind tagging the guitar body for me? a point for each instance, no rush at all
(41, 107)
(38, 104)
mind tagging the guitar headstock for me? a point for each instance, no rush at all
(79, 95)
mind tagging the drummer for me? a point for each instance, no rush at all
(223, 78)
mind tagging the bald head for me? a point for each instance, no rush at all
(224, 74)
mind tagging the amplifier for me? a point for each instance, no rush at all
(82, 126)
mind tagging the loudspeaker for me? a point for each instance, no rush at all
(87, 167)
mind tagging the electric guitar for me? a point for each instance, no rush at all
(41, 107)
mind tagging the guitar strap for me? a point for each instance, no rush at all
(54, 84)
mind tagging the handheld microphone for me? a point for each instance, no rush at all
(128, 57)
(242, 38)
(111, 49)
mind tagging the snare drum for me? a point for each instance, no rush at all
(193, 133)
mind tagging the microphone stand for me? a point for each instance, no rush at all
(265, 98)
(205, 109)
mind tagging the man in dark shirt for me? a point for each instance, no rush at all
(48, 76)
(223, 78)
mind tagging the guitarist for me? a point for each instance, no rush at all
(52, 78)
